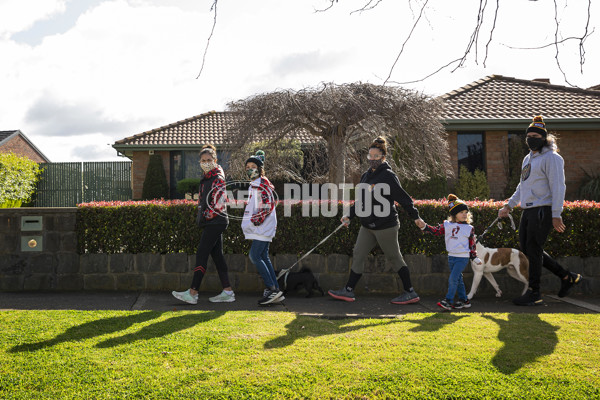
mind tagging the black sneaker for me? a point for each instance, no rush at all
(270, 296)
(445, 304)
(567, 284)
(530, 298)
(462, 304)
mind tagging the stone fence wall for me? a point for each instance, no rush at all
(51, 262)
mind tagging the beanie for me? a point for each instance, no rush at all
(538, 126)
(258, 158)
(456, 205)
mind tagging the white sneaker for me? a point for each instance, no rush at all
(186, 296)
(222, 298)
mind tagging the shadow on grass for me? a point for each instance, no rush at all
(296, 330)
(526, 338)
(434, 322)
(162, 328)
(90, 329)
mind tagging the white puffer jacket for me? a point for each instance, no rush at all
(260, 219)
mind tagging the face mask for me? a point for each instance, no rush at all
(534, 143)
(374, 164)
(208, 166)
(252, 173)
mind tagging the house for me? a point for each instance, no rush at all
(17, 143)
(178, 144)
(482, 117)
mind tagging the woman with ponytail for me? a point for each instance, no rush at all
(259, 224)
(212, 217)
(541, 193)
(379, 223)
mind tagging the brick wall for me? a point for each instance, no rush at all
(496, 147)
(581, 151)
(58, 267)
(20, 147)
(139, 164)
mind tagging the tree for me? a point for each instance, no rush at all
(472, 185)
(18, 178)
(346, 118)
(155, 183)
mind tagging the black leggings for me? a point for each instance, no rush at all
(211, 243)
(534, 228)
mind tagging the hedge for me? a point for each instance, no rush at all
(169, 227)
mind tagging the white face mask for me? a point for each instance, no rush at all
(208, 166)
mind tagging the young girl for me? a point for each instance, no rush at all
(460, 244)
(212, 216)
(259, 224)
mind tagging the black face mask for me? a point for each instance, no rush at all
(534, 143)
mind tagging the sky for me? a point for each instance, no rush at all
(78, 75)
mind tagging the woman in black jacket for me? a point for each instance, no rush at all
(376, 195)
(212, 216)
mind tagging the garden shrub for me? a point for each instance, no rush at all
(433, 188)
(169, 227)
(472, 186)
(18, 178)
(188, 185)
(155, 183)
(590, 188)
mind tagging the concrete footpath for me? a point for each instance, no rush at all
(365, 306)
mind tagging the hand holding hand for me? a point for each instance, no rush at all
(558, 224)
(420, 223)
(503, 212)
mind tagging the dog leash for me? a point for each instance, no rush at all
(512, 224)
(286, 271)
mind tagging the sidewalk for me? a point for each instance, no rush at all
(366, 306)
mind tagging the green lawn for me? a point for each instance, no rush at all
(262, 354)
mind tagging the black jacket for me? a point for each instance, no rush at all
(211, 200)
(377, 180)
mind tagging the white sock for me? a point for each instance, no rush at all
(228, 292)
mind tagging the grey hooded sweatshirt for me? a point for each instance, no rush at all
(542, 181)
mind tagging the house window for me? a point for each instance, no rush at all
(471, 152)
(184, 164)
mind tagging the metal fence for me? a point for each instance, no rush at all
(68, 184)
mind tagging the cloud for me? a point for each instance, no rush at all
(19, 15)
(57, 23)
(57, 117)
(307, 63)
(92, 152)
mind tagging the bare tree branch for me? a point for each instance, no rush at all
(344, 119)
(551, 44)
(367, 6)
(491, 32)
(405, 41)
(213, 7)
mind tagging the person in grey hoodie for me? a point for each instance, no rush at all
(541, 193)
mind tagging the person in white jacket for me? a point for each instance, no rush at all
(541, 193)
(259, 225)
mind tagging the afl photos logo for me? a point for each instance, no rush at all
(526, 172)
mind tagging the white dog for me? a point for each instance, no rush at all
(494, 260)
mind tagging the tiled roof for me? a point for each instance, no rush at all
(6, 134)
(210, 127)
(500, 97)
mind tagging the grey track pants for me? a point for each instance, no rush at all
(387, 240)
